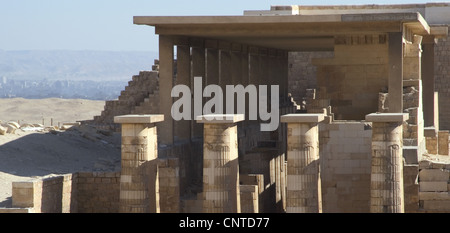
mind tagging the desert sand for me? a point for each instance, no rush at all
(26, 155)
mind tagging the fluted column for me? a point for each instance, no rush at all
(139, 192)
(220, 163)
(303, 176)
(386, 178)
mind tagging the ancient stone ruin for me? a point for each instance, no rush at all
(363, 108)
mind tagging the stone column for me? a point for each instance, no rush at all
(395, 83)
(254, 67)
(198, 70)
(139, 192)
(303, 176)
(220, 163)
(386, 179)
(166, 72)
(183, 127)
(212, 63)
(428, 82)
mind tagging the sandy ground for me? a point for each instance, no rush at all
(61, 110)
(25, 155)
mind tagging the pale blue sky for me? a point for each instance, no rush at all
(108, 24)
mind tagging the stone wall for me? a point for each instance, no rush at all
(249, 198)
(46, 195)
(83, 192)
(169, 185)
(434, 186)
(302, 74)
(352, 79)
(97, 192)
(442, 80)
(345, 152)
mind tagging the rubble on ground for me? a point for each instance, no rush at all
(88, 132)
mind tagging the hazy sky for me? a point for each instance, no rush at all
(108, 24)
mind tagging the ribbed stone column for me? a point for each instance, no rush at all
(139, 192)
(220, 163)
(303, 176)
(386, 178)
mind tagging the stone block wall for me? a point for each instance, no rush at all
(345, 152)
(47, 195)
(352, 79)
(411, 187)
(437, 144)
(302, 74)
(434, 187)
(249, 198)
(83, 192)
(169, 185)
(443, 142)
(442, 80)
(432, 145)
(97, 192)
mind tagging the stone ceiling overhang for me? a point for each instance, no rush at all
(287, 32)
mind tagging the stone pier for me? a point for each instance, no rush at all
(139, 192)
(386, 180)
(303, 176)
(220, 163)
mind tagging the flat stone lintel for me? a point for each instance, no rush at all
(302, 118)
(430, 132)
(220, 118)
(387, 117)
(139, 119)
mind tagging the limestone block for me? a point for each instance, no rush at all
(249, 198)
(23, 194)
(443, 142)
(11, 129)
(434, 196)
(433, 175)
(431, 145)
(436, 205)
(433, 186)
(387, 117)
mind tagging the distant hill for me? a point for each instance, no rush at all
(73, 65)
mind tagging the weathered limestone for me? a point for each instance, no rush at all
(386, 189)
(139, 191)
(345, 162)
(220, 163)
(249, 198)
(303, 175)
(44, 195)
(351, 79)
(169, 185)
(434, 187)
(443, 142)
